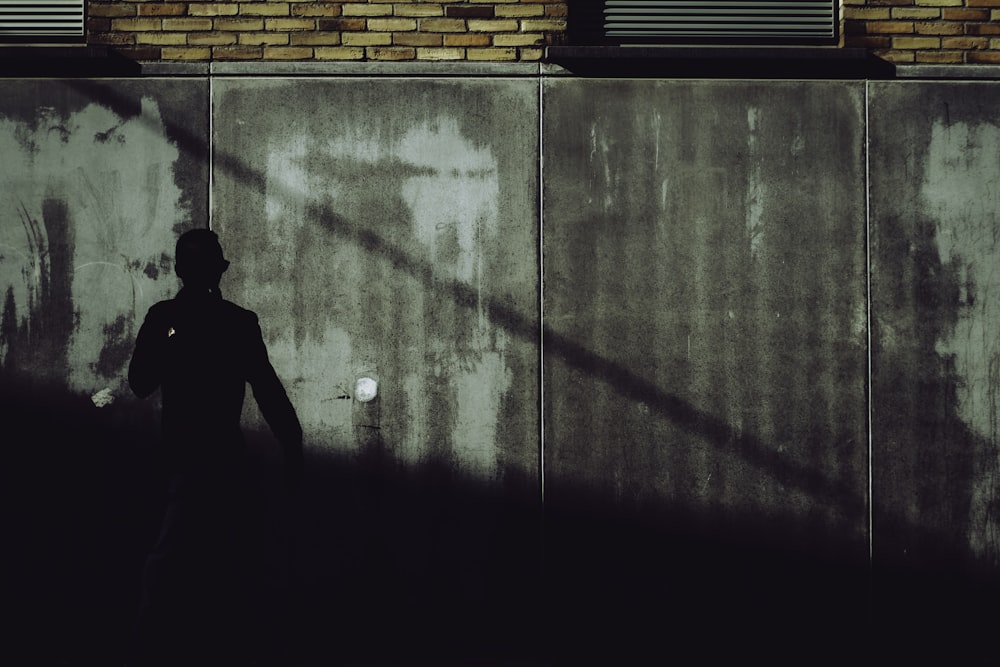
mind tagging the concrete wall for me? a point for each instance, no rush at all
(740, 334)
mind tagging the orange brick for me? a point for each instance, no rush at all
(417, 39)
(390, 53)
(556, 11)
(213, 9)
(314, 9)
(366, 10)
(939, 57)
(949, 14)
(493, 25)
(136, 25)
(916, 42)
(113, 10)
(982, 29)
(314, 38)
(211, 38)
(518, 11)
(264, 39)
(341, 25)
(418, 10)
(186, 53)
(187, 25)
(238, 25)
(339, 53)
(939, 28)
(366, 39)
(965, 43)
(164, 9)
(491, 54)
(983, 57)
(287, 53)
(161, 38)
(289, 24)
(440, 54)
(867, 13)
(520, 39)
(392, 25)
(543, 25)
(441, 25)
(983, 3)
(466, 39)
(265, 9)
(236, 52)
(918, 13)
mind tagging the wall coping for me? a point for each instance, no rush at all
(460, 68)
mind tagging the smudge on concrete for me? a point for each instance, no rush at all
(961, 194)
(84, 217)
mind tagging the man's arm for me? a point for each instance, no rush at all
(275, 406)
(145, 371)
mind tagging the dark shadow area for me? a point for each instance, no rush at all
(64, 61)
(722, 62)
(380, 563)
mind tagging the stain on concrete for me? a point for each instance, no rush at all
(387, 240)
(934, 169)
(715, 255)
(90, 208)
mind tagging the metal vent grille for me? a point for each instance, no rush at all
(41, 18)
(734, 19)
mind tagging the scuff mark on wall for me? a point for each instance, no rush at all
(965, 212)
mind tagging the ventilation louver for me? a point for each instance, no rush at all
(41, 19)
(706, 20)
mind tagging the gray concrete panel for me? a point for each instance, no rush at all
(705, 325)
(388, 229)
(97, 179)
(935, 170)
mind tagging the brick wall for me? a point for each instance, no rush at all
(485, 30)
(921, 31)
(925, 31)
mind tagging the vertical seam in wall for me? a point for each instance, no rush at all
(541, 296)
(211, 146)
(868, 325)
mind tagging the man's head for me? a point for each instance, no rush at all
(199, 261)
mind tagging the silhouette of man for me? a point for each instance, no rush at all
(201, 351)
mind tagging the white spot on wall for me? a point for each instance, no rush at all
(103, 398)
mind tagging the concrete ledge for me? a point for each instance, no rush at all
(370, 68)
(948, 71)
(157, 68)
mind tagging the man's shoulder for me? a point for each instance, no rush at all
(238, 314)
